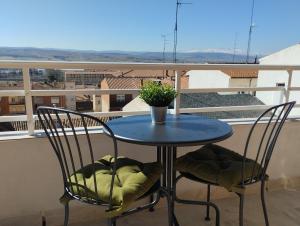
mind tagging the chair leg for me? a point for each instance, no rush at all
(241, 210)
(111, 222)
(151, 209)
(66, 220)
(217, 216)
(207, 218)
(262, 194)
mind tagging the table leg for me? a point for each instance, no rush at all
(167, 157)
(173, 182)
(169, 185)
(164, 164)
(159, 159)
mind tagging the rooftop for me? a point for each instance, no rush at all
(242, 73)
(199, 100)
(131, 83)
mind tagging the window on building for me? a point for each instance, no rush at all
(280, 84)
(39, 100)
(120, 98)
(54, 100)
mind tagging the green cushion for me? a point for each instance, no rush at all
(218, 165)
(133, 179)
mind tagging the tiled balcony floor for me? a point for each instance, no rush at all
(283, 206)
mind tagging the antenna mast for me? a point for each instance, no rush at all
(178, 3)
(250, 33)
(164, 37)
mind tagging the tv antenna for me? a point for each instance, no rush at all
(165, 41)
(178, 3)
(250, 33)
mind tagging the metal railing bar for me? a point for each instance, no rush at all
(132, 91)
(289, 85)
(294, 88)
(105, 114)
(28, 100)
(225, 108)
(12, 93)
(13, 118)
(138, 66)
(83, 92)
(178, 90)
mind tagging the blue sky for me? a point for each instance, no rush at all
(137, 25)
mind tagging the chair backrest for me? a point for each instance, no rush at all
(262, 139)
(74, 148)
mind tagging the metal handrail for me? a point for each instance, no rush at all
(178, 68)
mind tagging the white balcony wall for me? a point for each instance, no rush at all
(31, 182)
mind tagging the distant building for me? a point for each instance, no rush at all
(52, 101)
(16, 104)
(115, 102)
(12, 105)
(11, 75)
(15, 75)
(4, 106)
(242, 77)
(158, 74)
(288, 56)
(86, 77)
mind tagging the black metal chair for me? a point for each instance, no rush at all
(260, 144)
(75, 151)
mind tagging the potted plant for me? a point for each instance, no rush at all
(158, 96)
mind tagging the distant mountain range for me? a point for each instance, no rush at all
(29, 53)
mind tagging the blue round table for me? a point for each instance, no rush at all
(178, 130)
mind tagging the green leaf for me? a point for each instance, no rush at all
(157, 94)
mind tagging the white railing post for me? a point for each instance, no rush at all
(28, 100)
(282, 95)
(289, 85)
(177, 88)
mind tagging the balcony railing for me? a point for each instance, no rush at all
(179, 69)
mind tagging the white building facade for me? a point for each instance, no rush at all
(208, 79)
(222, 79)
(288, 56)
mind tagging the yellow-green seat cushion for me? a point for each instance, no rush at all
(133, 179)
(217, 165)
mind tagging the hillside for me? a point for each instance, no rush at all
(20, 53)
